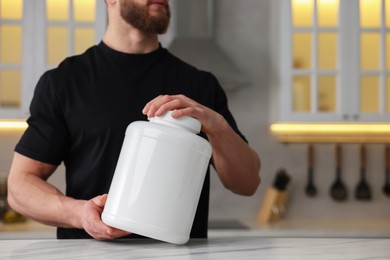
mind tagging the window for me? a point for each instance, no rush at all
(70, 28)
(336, 62)
(36, 36)
(11, 37)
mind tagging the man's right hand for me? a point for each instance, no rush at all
(91, 220)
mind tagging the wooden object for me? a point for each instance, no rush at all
(273, 205)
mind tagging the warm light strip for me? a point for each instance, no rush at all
(331, 133)
(13, 124)
(316, 128)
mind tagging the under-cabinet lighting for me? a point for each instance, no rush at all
(13, 124)
(331, 132)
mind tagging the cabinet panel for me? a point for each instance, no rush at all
(327, 51)
(302, 50)
(57, 10)
(370, 13)
(11, 51)
(83, 38)
(301, 94)
(369, 94)
(302, 13)
(56, 45)
(10, 88)
(328, 13)
(339, 63)
(10, 44)
(370, 51)
(11, 9)
(387, 95)
(84, 10)
(35, 36)
(327, 96)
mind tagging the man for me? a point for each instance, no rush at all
(81, 109)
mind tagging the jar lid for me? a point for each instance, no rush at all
(186, 122)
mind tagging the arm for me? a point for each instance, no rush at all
(236, 163)
(31, 195)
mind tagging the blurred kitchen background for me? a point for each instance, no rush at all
(280, 61)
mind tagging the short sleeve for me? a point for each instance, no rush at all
(221, 106)
(46, 139)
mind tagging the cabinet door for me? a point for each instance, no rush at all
(373, 66)
(11, 57)
(36, 36)
(336, 60)
(311, 67)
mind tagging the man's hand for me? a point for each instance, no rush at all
(237, 164)
(92, 223)
(211, 121)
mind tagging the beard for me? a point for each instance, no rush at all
(138, 16)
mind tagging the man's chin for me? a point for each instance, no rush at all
(157, 13)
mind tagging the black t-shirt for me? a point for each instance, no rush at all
(81, 109)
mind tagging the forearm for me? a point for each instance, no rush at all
(236, 163)
(39, 200)
(30, 195)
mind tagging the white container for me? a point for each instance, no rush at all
(158, 179)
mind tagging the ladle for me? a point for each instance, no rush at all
(338, 190)
(363, 191)
(386, 186)
(311, 189)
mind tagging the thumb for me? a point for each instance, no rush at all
(100, 200)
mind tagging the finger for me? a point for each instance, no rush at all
(164, 103)
(146, 108)
(187, 111)
(173, 104)
(100, 201)
(151, 107)
(115, 233)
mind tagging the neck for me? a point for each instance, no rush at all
(127, 39)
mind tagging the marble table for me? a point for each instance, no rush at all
(228, 246)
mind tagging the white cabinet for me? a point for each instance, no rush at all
(333, 60)
(34, 37)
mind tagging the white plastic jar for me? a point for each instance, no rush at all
(158, 178)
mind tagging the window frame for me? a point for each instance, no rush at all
(348, 71)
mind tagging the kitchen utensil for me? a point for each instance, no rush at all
(158, 179)
(311, 189)
(386, 186)
(281, 180)
(338, 190)
(3, 195)
(363, 191)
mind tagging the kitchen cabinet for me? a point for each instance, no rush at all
(34, 37)
(333, 60)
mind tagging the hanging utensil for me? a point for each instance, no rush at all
(311, 189)
(363, 191)
(338, 190)
(281, 180)
(386, 186)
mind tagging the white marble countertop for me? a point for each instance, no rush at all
(216, 247)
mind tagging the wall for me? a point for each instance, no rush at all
(247, 30)
(244, 31)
